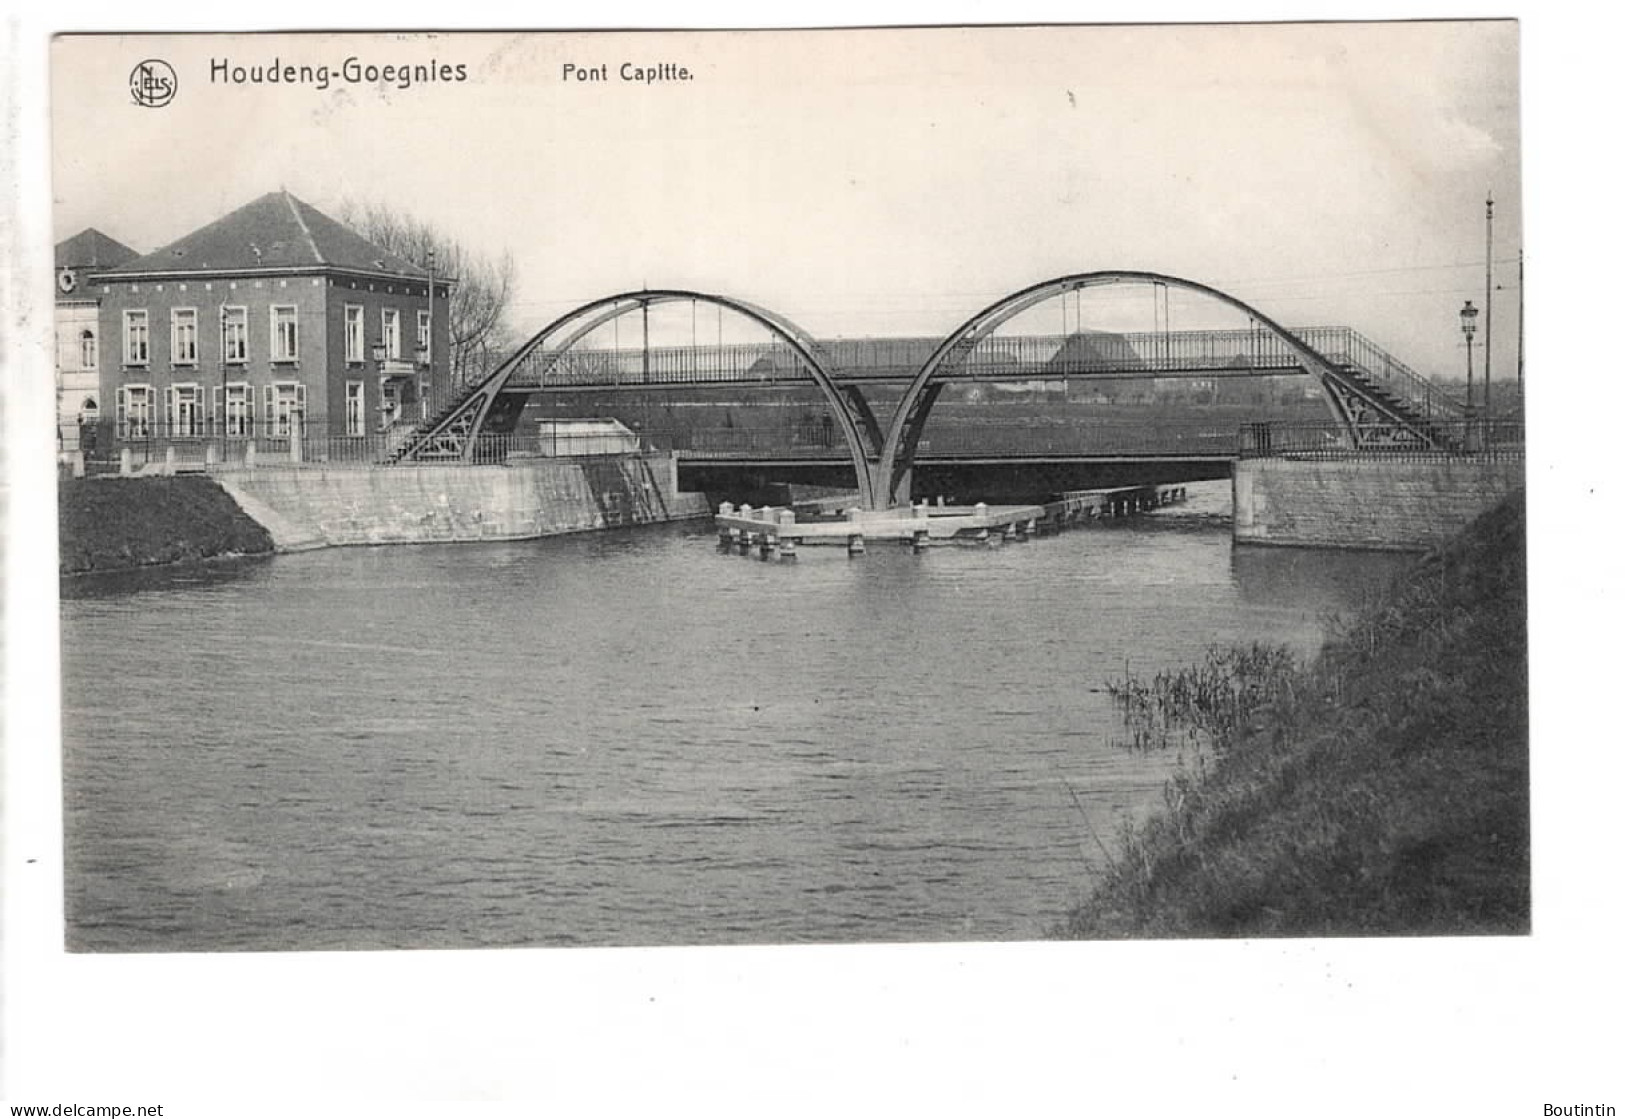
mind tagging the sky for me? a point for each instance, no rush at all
(869, 182)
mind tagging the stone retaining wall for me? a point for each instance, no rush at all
(1365, 503)
(308, 506)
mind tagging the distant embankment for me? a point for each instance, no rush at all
(113, 524)
(1382, 790)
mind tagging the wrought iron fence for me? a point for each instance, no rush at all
(113, 447)
(1478, 439)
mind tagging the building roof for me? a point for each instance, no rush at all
(93, 249)
(275, 231)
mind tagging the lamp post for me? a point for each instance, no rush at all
(379, 352)
(1469, 324)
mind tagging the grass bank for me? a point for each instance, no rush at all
(114, 524)
(1383, 789)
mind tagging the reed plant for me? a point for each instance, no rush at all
(1381, 789)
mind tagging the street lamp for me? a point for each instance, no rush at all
(1469, 324)
(380, 352)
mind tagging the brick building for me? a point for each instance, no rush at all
(78, 332)
(274, 318)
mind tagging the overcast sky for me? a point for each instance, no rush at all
(876, 182)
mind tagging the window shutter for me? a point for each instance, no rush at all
(270, 410)
(172, 407)
(123, 408)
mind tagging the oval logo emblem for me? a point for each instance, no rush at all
(152, 83)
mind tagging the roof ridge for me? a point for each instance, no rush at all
(310, 238)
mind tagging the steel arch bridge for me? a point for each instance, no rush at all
(882, 459)
(453, 436)
(1367, 412)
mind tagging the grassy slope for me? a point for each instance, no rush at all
(108, 524)
(1388, 795)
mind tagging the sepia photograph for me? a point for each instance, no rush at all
(989, 511)
(899, 490)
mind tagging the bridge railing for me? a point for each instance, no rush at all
(1481, 439)
(998, 356)
(1150, 353)
(1347, 347)
(661, 365)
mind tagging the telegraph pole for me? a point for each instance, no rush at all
(1489, 287)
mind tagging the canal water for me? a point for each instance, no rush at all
(629, 738)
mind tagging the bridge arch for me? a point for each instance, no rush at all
(455, 434)
(908, 421)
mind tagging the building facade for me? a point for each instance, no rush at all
(273, 320)
(78, 333)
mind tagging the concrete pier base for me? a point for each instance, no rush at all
(918, 526)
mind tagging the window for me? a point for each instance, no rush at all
(185, 410)
(135, 411)
(135, 338)
(87, 349)
(284, 333)
(423, 330)
(183, 336)
(282, 401)
(355, 333)
(234, 334)
(392, 334)
(355, 408)
(239, 408)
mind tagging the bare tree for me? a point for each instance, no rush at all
(479, 301)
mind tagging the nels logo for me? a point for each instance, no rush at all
(152, 83)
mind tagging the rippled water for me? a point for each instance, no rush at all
(629, 738)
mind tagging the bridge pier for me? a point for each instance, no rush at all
(770, 530)
(725, 535)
